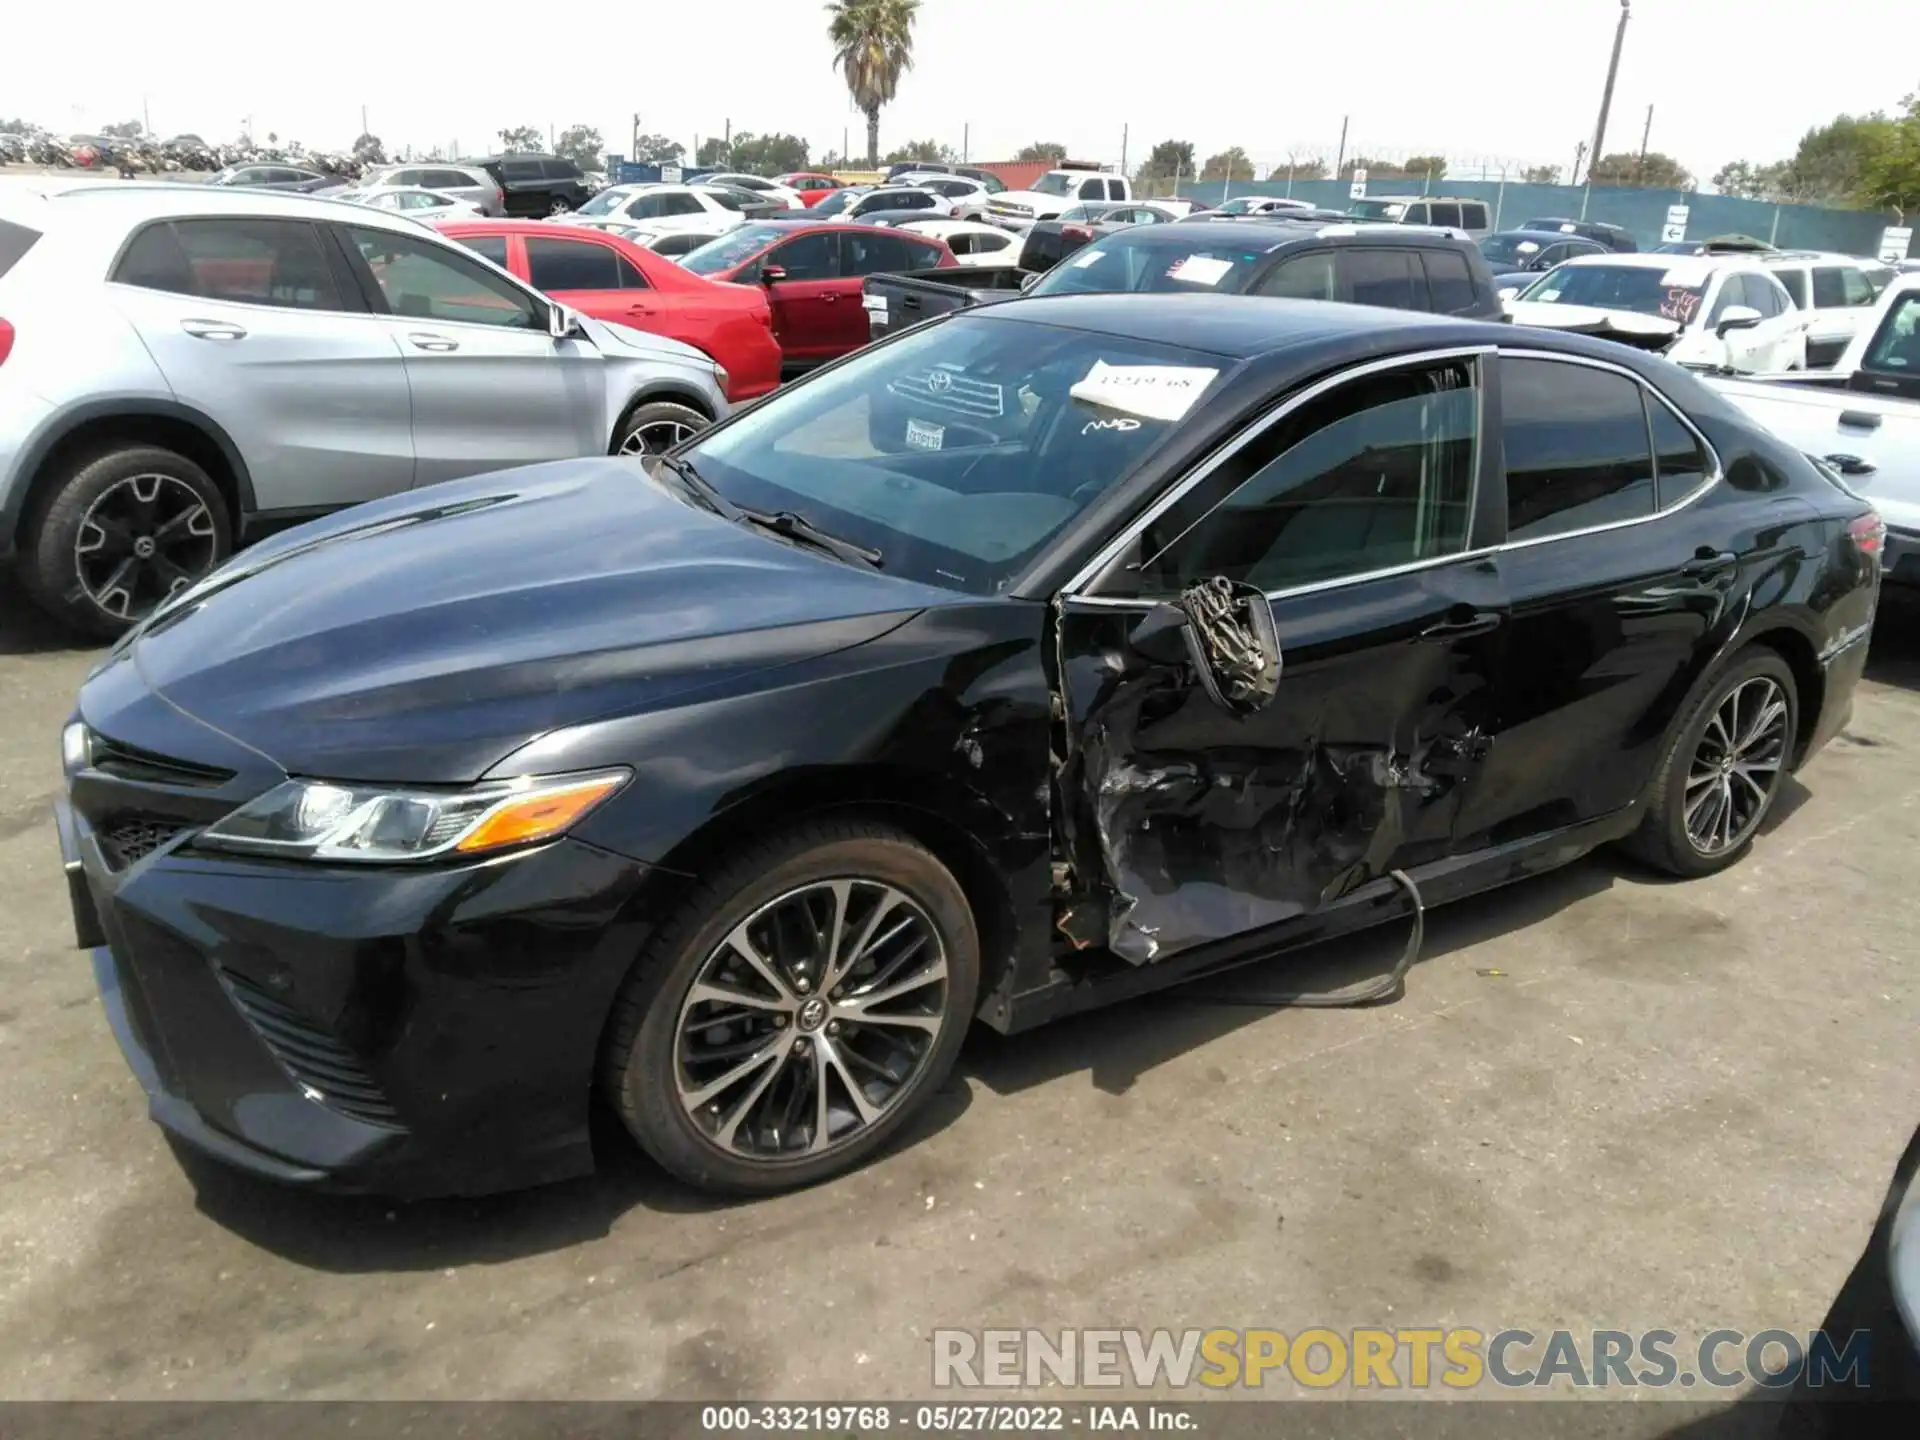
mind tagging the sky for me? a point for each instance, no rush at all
(1485, 82)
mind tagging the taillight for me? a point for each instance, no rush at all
(1868, 532)
(1076, 232)
(6, 341)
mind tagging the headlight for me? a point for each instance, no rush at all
(76, 748)
(720, 376)
(381, 824)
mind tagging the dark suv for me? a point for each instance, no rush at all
(1393, 266)
(537, 184)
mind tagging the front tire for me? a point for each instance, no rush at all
(1722, 770)
(805, 1002)
(658, 427)
(119, 533)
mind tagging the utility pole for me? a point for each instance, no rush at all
(1579, 154)
(1341, 158)
(1123, 148)
(146, 119)
(966, 141)
(1606, 95)
(633, 150)
(1646, 134)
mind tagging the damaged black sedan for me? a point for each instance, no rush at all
(1041, 656)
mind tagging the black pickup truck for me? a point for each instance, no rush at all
(905, 298)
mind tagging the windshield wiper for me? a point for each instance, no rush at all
(698, 485)
(798, 527)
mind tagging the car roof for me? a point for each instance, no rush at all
(1280, 229)
(1555, 235)
(1648, 260)
(131, 202)
(1237, 327)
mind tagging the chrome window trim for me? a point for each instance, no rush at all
(1716, 472)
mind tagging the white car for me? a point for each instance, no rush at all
(659, 208)
(968, 196)
(971, 241)
(1712, 312)
(1054, 192)
(1258, 205)
(412, 200)
(1837, 291)
(760, 185)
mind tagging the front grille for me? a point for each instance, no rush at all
(131, 838)
(942, 387)
(127, 762)
(315, 1058)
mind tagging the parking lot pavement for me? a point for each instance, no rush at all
(1606, 1101)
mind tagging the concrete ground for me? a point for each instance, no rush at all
(1606, 1101)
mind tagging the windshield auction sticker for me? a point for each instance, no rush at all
(1153, 392)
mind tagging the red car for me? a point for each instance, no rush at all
(812, 272)
(613, 279)
(813, 187)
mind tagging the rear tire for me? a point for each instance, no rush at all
(1722, 769)
(658, 427)
(813, 1012)
(118, 533)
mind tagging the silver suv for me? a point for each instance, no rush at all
(462, 182)
(183, 369)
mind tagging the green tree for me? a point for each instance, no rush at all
(1230, 164)
(872, 49)
(17, 126)
(1540, 175)
(657, 150)
(923, 152)
(1425, 167)
(124, 130)
(522, 140)
(1753, 182)
(714, 151)
(1301, 167)
(769, 154)
(581, 145)
(1890, 175)
(368, 150)
(1654, 171)
(1049, 152)
(1832, 160)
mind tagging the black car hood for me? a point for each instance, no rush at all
(426, 637)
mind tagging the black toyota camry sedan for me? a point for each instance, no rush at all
(1045, 654)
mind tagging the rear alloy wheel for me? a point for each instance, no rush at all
(654, 429)
(121, 534)
(1723, 769)
(781, 1030)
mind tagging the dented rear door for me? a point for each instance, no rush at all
(1356, 512)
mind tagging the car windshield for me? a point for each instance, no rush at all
(607, 201)
(837, 201)
(732, 248)
(1245, 205)
(1897, 345)
(958, 450)
(1054, 184)
(1377, 209)
(1509, 249)
(1673, 294)
(1157, 259)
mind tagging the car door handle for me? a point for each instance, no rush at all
(829, 298)
(213, 330)
(439, 344)
(639, 309)
(1462, 621)
(1850, 464)
(1707, 561)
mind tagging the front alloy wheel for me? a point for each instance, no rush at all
(144, 539)
(810, 1019)
(1736, 766)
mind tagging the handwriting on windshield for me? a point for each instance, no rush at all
(1679, 305)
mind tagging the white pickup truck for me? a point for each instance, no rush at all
(1862, 418)
(1053, 192)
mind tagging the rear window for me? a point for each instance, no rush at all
(15, 241)
(1148, 261)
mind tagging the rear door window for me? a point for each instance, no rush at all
(1446, 213)
(1092, 190)
(1382, 277)
(1449, 281)
(490, 247)
(253, 262)
(873, 254)
(15, 241)
(920, 255)
(1302, 277)
(1681, 462)
(1473, 215)
(1116, 189)
(571, 265)
(558, 170)
(1829, 290)
(520, 170)
(809, 257)
(1577, 452)
(1858, 290)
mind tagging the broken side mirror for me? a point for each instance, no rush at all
(1225, 630)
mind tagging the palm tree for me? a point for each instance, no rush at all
(872, 48)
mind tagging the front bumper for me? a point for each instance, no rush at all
(402, 1031)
